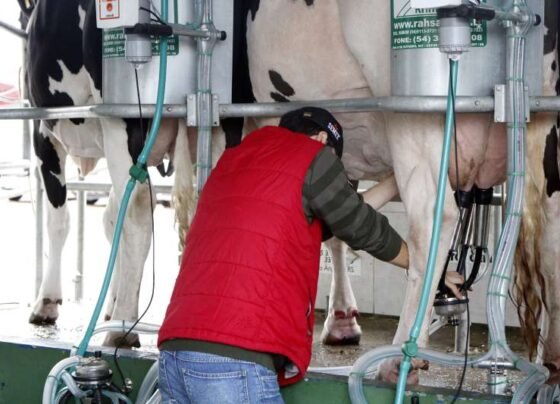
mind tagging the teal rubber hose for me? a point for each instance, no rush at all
(138, 172)
(410, 348)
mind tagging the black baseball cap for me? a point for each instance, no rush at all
(321, 118)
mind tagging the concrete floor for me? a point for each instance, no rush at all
(379, 330)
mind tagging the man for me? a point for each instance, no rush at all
(240, 320)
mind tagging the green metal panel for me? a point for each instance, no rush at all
(24, 366)
(326, 389)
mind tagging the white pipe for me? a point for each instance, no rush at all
(52, 379)
(122, 326)
(116, 396)
(499, 281)
(148, 384)
(155, 398)
(71, 384)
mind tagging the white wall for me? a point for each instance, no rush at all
(380, 287)
(11, 56)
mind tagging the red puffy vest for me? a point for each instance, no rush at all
(249, 271)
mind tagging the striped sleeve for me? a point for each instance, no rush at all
(329, 196)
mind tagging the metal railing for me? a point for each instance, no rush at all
(265, 109)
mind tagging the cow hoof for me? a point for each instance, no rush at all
(554, 373)
(334, 341)
(39, 319)
(45, 312)
(117, 339)
(341, 328)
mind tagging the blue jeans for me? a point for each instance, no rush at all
(187, 377)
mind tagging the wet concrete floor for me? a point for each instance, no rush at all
(379, 330)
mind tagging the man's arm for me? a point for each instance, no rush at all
(329, 196)
(401, 260)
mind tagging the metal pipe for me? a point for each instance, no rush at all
(16, 31)
(38, 231)
(396, 104)
(106, 187)
(78, 274)
(182, 30)
(462, 334)
(205, 47)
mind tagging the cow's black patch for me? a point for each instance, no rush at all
(242, 90)
(309, 2)
(56, 38)
(280, 84)
(278, 97)
(136, 136)
(253, 6)
(92, 46)
(550, 163)
(551, 15)
(50, 167)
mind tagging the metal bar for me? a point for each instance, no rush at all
(106, 187)
(396, 104)
(78, 274)
(16, 31)
(461, 334)
(38, 232)
(179, 29)
(15, 164)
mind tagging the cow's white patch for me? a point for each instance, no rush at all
(75, 85)
(82, 14)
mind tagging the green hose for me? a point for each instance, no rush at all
(137, 172)
(410, 347)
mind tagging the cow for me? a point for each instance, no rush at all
(63, 61)
(327, 49)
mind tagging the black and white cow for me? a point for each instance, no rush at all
(537, 275)
(329, 49)
(63, 59)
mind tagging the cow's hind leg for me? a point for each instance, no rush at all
(136, 233)
(51, 158)
(341, 327)
(416, 143)
(550, 261)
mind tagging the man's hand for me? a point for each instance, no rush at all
(453, 279)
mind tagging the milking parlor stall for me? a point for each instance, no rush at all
(69, 335)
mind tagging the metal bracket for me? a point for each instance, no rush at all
(192, 109)
(527, 106)
(500, 103)
(215, 110)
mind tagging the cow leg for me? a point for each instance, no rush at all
(51, 160)
(416, 143)
(341, 326)
(136, 233)
(550, 267)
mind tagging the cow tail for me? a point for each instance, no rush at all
(183, 194)
(528, 283)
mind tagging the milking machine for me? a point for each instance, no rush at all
(460, 24)
(148, 33)
(469, 243)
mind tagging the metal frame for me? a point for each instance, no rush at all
(394, 104)
(418, 104)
